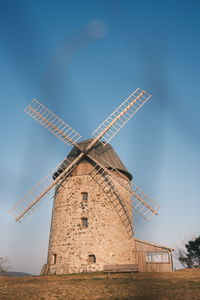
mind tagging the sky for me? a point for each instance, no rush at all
(82, 59)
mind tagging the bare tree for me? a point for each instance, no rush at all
(3, 265)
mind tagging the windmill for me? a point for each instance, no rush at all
(92, 166)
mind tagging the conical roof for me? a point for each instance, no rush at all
(99, 151)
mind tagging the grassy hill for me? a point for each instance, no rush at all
(184, 284)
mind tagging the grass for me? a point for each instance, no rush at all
(148, 286)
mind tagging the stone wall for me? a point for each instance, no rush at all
(105, 237)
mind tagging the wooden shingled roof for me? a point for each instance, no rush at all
(106, 152)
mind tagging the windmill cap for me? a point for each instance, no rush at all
(106, 152)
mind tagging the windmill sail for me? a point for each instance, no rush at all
(102, 178)
(41, 190)
(141, 202)
(109, 128)
(54, 124)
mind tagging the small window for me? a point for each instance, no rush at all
(157, 257)
(84, 196)
(84, 222)
(92, 258)
(54, 259)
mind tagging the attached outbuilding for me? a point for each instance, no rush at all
(152, 257)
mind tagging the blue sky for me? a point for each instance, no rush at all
(82, 59)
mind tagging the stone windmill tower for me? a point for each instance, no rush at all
(92, 222)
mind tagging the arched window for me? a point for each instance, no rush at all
(54, 257)
(92, 258)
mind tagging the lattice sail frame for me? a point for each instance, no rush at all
(121, 115)
(45, 187)
(54, 124)
(143, 204)
(102, 178)
(140, 201)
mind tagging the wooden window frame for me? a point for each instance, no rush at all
(154, 253)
